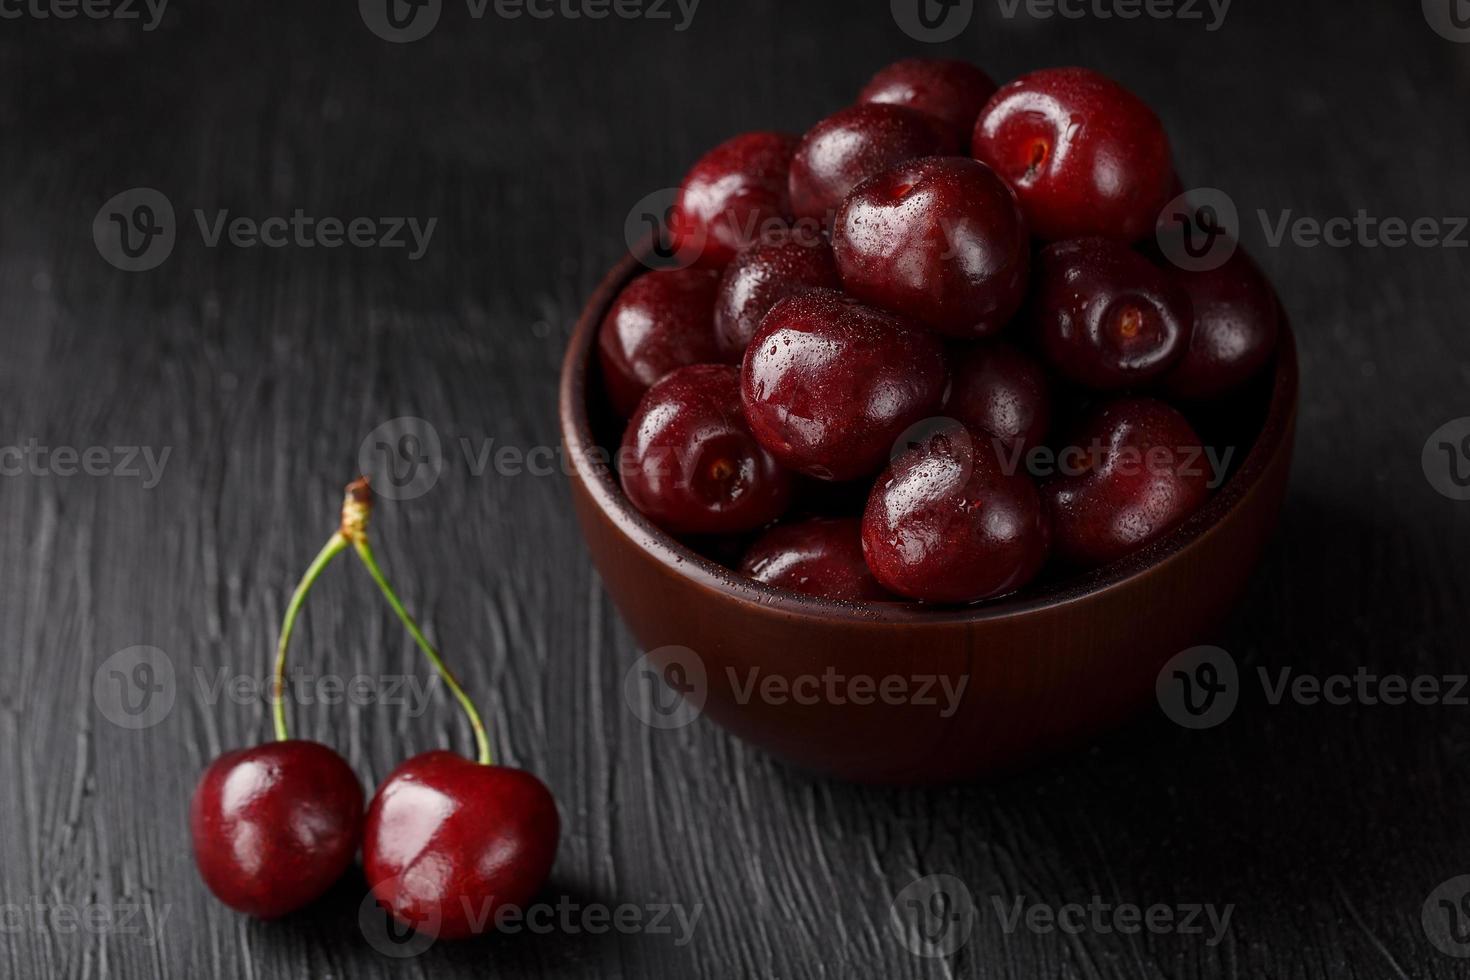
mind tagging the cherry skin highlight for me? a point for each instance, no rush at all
(1138, 470)
(274, 826)
(852, 145)
(733, 196)
(821, 557)
(690, 462)
(996, 390)
(941, 240)
(829, 384)
(948, 523)
(660, 321)
(1236, 322)
(1105, 317)
(762, 276)
(1085, 155)
(449, 843)
(953, 92)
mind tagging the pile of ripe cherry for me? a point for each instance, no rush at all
(449, 844)
(867, 304)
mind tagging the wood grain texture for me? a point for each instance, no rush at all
(262, 371)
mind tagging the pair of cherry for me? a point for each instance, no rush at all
(447, 842)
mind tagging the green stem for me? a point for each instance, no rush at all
(365, 552)
(334, 547)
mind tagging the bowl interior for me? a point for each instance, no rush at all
(1249, 424)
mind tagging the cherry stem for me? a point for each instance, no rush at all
(354, 529)
(335, 545)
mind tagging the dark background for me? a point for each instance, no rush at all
(262, 371)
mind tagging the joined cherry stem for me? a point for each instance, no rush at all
(356, 509)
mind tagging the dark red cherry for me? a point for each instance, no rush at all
(1129, 474)
(820, 557)
(449, 843)
(762, 276)
(852, 145)
(998, 391)
(1236, 321)
(275, 826)
(829, 384)
(1085, 155)
(1105, 316)
(660, 321)
(951, 91)
(734, 195)
(689, 460)
(948, 522)
(941, 240)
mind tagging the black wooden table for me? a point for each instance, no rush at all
(176, 439)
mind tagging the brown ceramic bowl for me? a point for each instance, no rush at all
(970, 689)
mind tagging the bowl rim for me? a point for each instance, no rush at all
(591, 464)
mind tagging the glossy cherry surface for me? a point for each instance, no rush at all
(999, 391)
(820, 557)
(1135, 469)
(663, 320)
(762, 276)
(449, 842)
(829, 384)
(1236, 321)
(951, 91)
(947, 522)
(733, 196)
(690, 463)
(940, 239)
(1085, 155)
(275, 826)
(1105, 316)
(852, 145)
